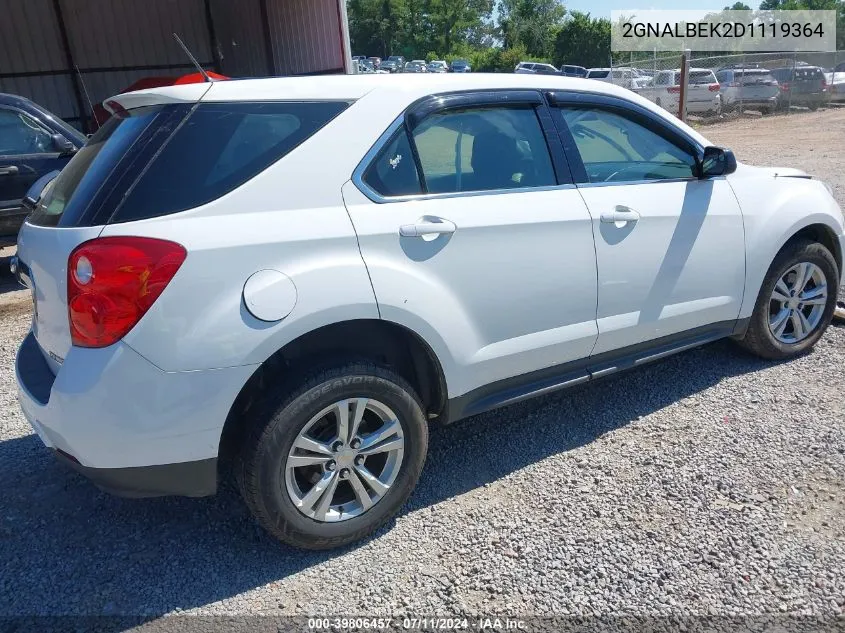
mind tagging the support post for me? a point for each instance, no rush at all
(682, 97)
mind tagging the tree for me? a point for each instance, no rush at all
(583, 40)
(738, 6)
(531, 23)
(452, 21)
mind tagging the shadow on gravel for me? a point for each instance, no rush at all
(65, 547)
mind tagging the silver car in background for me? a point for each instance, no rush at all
(753, 88)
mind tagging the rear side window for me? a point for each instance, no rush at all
(218, 148)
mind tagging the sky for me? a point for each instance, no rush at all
(602, 8)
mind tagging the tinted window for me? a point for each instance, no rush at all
(218, 148)
(21, 134)
(617, 149)
(80, 180)
(393, 172)
(702, 77)
(598, 74)
(483, 149)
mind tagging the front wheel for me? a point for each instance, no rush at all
(796, 302)
(332, 460)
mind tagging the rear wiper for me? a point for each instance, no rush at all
(30, 200)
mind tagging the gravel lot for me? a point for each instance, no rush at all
(710, 483)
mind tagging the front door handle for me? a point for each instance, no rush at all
(620, 214)
(427, 226)
(11, 170)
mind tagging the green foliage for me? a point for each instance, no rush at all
(583, 40)
(738, 6)
(532, 23)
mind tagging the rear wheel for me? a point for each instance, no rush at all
(333, 459)
(796, 302)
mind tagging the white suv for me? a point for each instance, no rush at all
(296, 276)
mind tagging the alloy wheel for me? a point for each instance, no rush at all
(344, 460)
(797, 303)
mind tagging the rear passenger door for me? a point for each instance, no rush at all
(475, 237)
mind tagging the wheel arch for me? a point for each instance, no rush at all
(381, 341)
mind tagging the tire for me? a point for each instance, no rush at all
(759, 338)
(262, 468)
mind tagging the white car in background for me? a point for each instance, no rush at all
(626, 77)
(438, 66)
(835, 85)
(703, 95)
(535, 67)
(295, 276)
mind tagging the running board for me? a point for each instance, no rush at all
(512, 390)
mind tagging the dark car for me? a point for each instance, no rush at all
(460, 66)
(573, 71)
(33, 142)
(801, 86)
(394, 64)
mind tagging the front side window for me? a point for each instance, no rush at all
(20, 134)
(483, 149)
(615, 148)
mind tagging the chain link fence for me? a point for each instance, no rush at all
(726, 86)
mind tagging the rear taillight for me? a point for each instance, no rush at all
(713, 87)
(674, 89)
(784, 87)
(113, 281)
(824, 85)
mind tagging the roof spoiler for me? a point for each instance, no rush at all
(189, 93)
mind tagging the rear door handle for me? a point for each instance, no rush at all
(11, 170)
(427, 226)
(620, 214)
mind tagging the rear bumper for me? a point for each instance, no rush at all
(130, 427)
(188, 479)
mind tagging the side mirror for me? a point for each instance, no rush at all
(717, 161)
(62, 145)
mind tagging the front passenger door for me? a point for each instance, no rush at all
(26, 154)
(670, 247)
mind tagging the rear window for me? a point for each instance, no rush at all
(165, 159)
(598, 74)
(702, 77)
(218, 148)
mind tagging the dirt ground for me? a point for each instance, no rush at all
(812, 141)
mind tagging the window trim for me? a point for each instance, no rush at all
(627, 109)
(414, 114)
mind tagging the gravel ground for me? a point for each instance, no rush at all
(710, 483)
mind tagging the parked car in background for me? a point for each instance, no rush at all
(460, 66)
(527, 68)
(703, 96)
(753, 88)
(394, 64)
(375, 61)
(178, 329)
(438, 66)
(33, 142)
(573, 71)
(803, 86)
(625, 77)
(364, 66)
(416, 67)
(835, 85)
